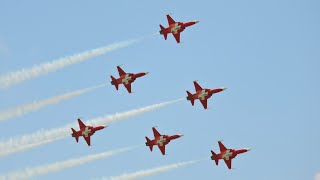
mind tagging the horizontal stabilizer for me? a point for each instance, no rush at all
(190, 98)
(163, 32)
(114, 82)
(149, 143)
(214, 157)
(75, 134)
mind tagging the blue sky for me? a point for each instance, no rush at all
(265, 52)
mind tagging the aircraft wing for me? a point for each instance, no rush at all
(197, 86)
(228, 162)
(81, 124)
(162, 149)
(87, 139)
(121, 72)
(222, 147)
(177, 36)
(170, 20)
(204, 103)
(155, 133)
(128, 87)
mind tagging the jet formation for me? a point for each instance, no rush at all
(162, 140)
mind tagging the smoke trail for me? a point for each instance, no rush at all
(19, 76)
(36, 105)
(150, 172)
(31, 172)
(42, 137)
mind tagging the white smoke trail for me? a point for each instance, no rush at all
(31, 172)
(150, 172)
(36, 105)
(317, 177)
(19, 76)
(42, 137)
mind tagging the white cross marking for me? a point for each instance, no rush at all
(227, 155)
(126, 79)
(175, 28)
(161, 141)
(202, 95)
(86, 132)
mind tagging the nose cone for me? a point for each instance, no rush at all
(248, 149)
(100, 127)
(141, 74)
(196, 22)
(144, 73)
(180, 135)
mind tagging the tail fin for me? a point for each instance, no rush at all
(75, 134)
(163, 31)
(148, 143)
(114, 82)
(190, 98)
(214, 157)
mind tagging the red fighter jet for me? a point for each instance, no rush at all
(160, 140)
(202, 94)
(175, 28)
(85, 131)
(227, 154)
(126, 79)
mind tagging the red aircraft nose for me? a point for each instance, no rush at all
(218, 90)
(141, 74)
(243, 150)
(176, 136)
(222, 89)
(100, 127)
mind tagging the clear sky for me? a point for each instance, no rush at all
(266, 53)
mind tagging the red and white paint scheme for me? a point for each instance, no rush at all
(160, 140)
(126, 79)
(85, 131)
(175, 28)
(202, 94)
(227, 154)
